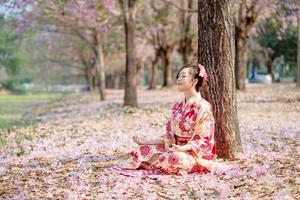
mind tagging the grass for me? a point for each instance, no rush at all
(13, 107)
(20, 110)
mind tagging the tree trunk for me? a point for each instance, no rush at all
(93, 77)
(139, 70)
(185, 44)
(270, 68)
(241, 54)
(129, 11)
(88, 71)
(110, 81)
(166, 55)
(216, 53)
(122, 80)
(100, 74)
(88, 78)
(298, 57)
(153, 81)
(247, 16)
(255, 66)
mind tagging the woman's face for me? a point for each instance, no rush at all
(185, 81)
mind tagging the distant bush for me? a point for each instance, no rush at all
(14, 87)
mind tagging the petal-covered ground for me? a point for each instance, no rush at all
(66, 154)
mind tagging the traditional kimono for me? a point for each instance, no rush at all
(191, 123)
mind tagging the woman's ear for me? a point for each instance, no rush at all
(195, 81)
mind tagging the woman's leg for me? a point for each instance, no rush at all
(146, 165)
(153, 158)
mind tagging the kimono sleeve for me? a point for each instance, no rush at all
(202, 141)
(169, 136)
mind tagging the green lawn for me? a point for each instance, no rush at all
(12, 107)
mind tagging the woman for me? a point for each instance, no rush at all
(188, 145)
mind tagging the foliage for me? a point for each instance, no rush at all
(281, 44)
(11, 58)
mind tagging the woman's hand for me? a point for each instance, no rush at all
(179, 148)
(164, 140)
(145, 141)
(138, 140)
(175, 147)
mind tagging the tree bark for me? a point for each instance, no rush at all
(139, 70)
(88, 70)
(255, 67)
(129, 11)
(216, 53)
(99, 65)
(246, 19)
(298, 56)
(270, 68)
(88, 78)
(153, 81)
(122, 80)
(166, 55)
(185, 43)
(241, 55)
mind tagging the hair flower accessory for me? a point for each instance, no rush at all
(202, 72)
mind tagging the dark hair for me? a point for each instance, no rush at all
(194, 72)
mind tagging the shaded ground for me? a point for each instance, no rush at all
(65, 155)
(14, 108)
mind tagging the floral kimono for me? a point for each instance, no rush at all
(191, 123)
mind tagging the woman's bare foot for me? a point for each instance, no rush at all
(144, 165)
(137, 140)
(153, 159)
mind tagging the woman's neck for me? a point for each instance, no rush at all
(189, 94)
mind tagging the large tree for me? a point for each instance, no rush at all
(216, 53)
(129, 14)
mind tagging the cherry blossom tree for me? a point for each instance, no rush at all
(86, 19)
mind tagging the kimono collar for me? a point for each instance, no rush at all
(193, 99)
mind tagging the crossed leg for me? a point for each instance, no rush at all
(146, 165)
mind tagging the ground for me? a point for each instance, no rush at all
(66, 153)
(13, 108)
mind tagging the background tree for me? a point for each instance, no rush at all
(85, 19)
(164, 38)
(188, 36)
(129, 13)
(13, 62)
(169, 27)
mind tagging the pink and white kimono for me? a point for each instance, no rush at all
(192, 123)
